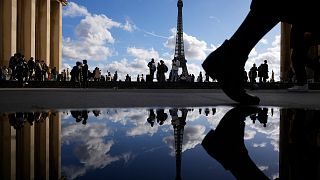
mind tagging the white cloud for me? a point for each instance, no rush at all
(272, 55)
(78, 50)
(249, 134)
(91, 149)
(138, 65)
(95, 29)
(143, 54)
(263, 41)
(192, 136)
(129, 25)
(194, 49)
(263, 168)
(264, 144)
(75, 10)
(93, 36)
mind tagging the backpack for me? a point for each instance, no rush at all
(165, 68)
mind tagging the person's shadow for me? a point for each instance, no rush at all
(226, 144)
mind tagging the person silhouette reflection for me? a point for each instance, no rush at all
(152, 117)
(302, 146)
(226, 144)
(76, 115)
(84, 114)
(161, 116)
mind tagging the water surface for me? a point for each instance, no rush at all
(220, 142)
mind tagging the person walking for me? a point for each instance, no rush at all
(258, 22)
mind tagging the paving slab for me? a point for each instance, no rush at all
(19, 99)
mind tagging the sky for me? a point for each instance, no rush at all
(123, 35)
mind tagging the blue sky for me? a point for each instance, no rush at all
(123, 35)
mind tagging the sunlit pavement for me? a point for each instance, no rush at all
(15, 99)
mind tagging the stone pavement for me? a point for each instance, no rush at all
(15, 99)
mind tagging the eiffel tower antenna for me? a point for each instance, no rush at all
(179, 49)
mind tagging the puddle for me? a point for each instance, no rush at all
(161, 143)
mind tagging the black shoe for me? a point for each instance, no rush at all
(227, 67)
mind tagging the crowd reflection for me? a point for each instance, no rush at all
(18, 120)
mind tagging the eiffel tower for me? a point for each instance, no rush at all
(179, 48)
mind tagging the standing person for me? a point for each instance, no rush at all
(265, 71)
(85, 73)
(259, 21)
(31, 67)
(115, 76)
(174, 70)
(5, 73)
(76, 74)
(97, 74)
(200, 78)
(302, 38)
(64, 75)
(260, 73)
(152, 68)
(253, 73)
(161, 70)
(38, 71)
(54, 74)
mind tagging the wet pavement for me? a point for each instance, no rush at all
(60, 98)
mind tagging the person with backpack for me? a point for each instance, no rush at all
(152, 68)
(161, 70)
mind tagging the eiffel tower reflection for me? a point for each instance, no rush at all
(178, 124)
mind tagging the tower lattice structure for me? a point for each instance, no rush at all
(179, 48)
(178, 127)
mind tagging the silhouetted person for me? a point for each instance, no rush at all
(161, 116)
(115, 76)
(138, 78)
(174, 70)
(226, 145)
(262, 17)
(265, 71)
(96, 113)
(84, 115)
(161, 70)
(263, 116)
(76, 74)
(207, 111)
(152, 117)
(152, 68)
(253, 73)
(31, 67)
(77, 115)
(38, 71)
(200, 78)
(302, 38)
(85, 74)
(245, 76)
(303, 143)
(214, 110)
(142, 78)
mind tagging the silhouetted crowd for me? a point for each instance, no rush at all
(23, 71)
